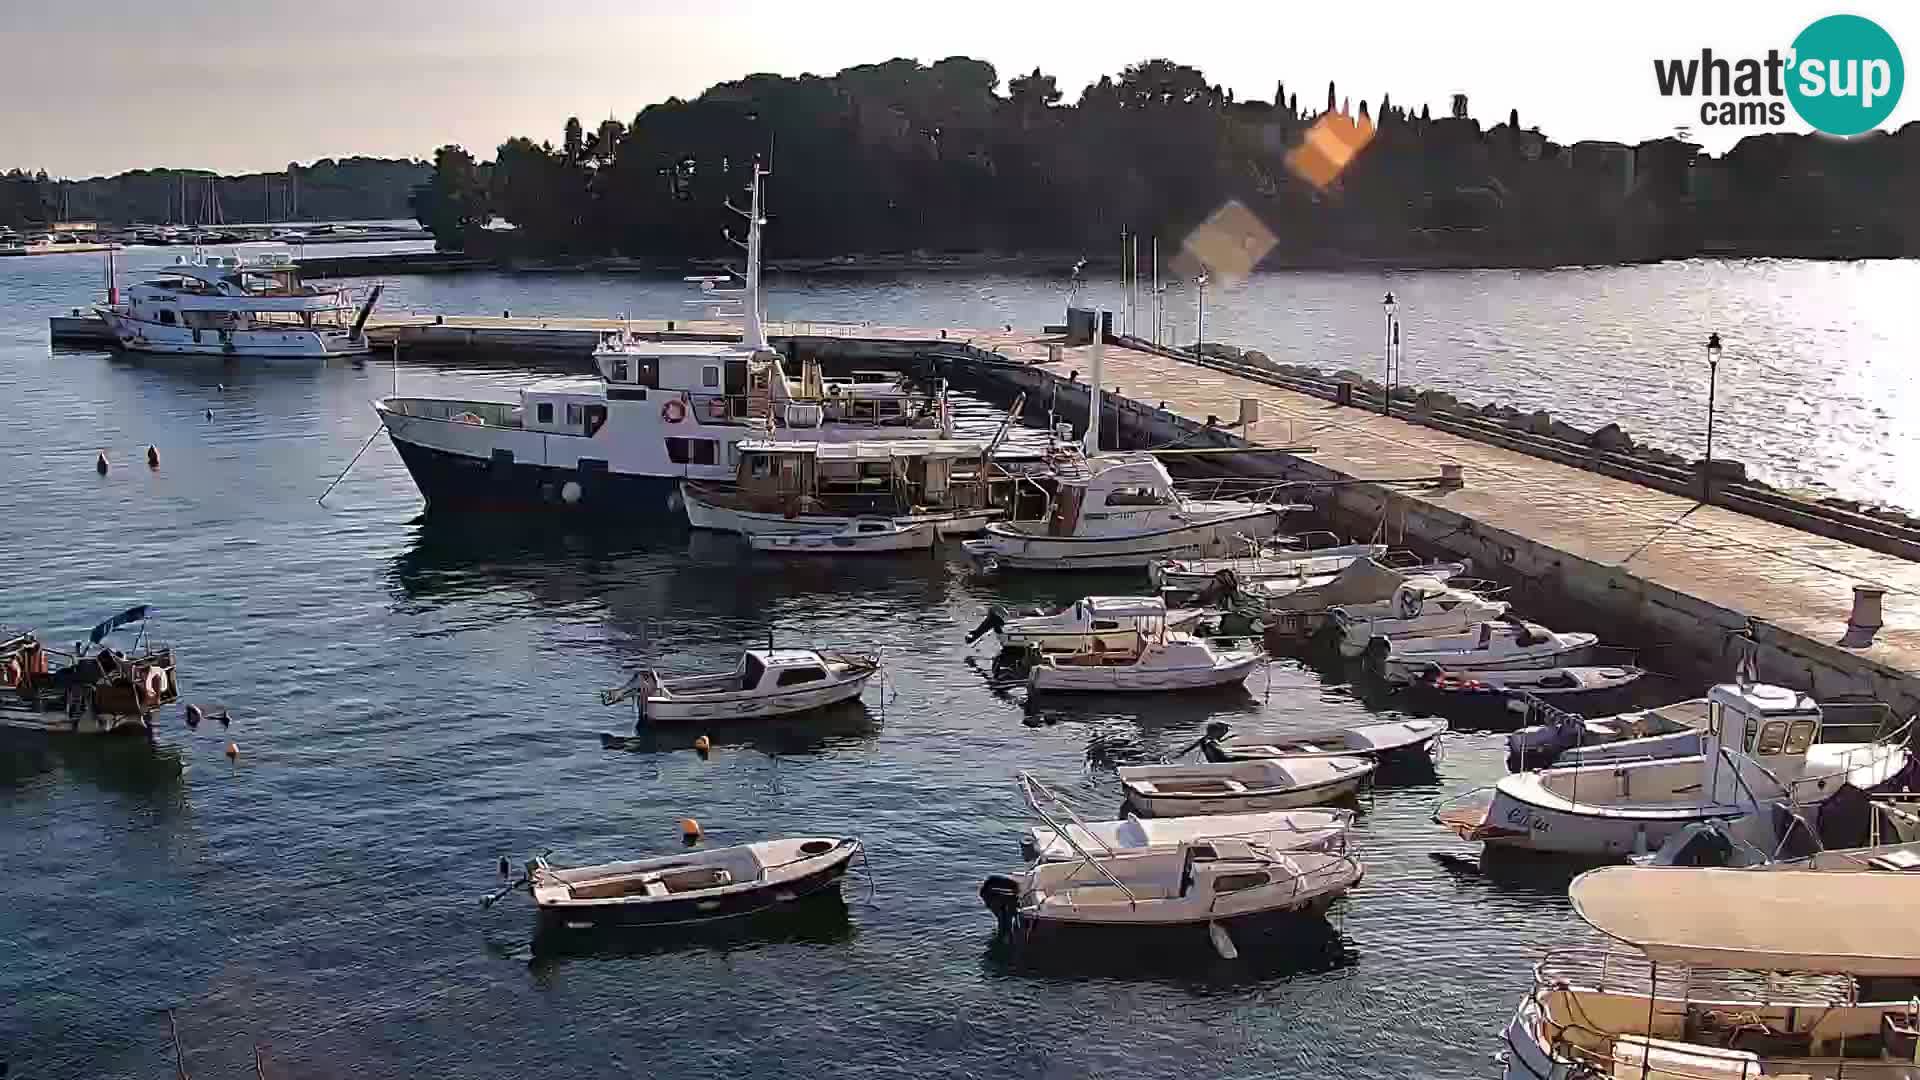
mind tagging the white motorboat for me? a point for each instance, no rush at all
(1241, 787)
(1420, 607)
(861, 536)
(766, 683)
(1115, 621)
(803, 486)
(1507, 644)
(1628, 807)
(241, 309)
(1270, 562)
(663, 410)
(699, 886)
(1150, 662)
(1726, 974)
(1384, 741)
(1299, 606)
(1761, 720)
(1211, 882)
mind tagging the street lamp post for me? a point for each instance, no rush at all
(1200, 315)
(1388, 305)
(1713, 385)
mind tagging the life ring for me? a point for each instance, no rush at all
(673, 411)
(10, 672)
(154, 684)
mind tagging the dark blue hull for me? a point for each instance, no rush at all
(461, 483)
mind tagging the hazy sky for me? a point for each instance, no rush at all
(242, 86)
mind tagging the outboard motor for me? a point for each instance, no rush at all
(1541, 743)
(996, 618)
(1217, 732)
(1001, 894)
(1376, 652)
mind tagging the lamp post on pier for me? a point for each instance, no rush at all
(1713, 384)
(1388, 305)
(1200, 315)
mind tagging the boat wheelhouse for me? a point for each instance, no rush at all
(242, 308)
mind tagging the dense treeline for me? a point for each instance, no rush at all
(355, 188)
(900, 157)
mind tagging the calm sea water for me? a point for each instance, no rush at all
(413, 700)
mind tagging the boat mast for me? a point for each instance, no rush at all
(1091, 441)
(753, 331)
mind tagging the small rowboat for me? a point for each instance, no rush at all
(862, 536)
(1384, 741)
(1240, 787)
(694, 887)
(1495, 694)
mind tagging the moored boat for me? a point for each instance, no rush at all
(1151, 662)
(765, 683)
(1115, 621)
(1273, 560)
(861, 536)
(94, 690)
(1418, 608)
(1501, 693)
(1239, 787)
(1385, 740)
(242, 309)
(1506, 644)
(811, 487)
(700, 886)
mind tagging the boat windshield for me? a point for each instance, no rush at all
(751, 672)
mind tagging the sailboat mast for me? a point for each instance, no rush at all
(1091, 441)
(755, 333)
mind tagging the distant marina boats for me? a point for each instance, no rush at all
(660, 412)
(241, 309)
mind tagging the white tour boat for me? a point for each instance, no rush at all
(1114, 621)
(659, 413)
(1240, 787)
(1727, 974)
(1421, 607)
(1507, 644)
(766, 683)
(1154, 660)
(1632, 807)
(253, 308)
(861, 536)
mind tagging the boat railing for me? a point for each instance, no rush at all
(1342, 864)
(1609, 969)
(1857, 757)
(452, 410)
(1901, 811)
(1037, 794)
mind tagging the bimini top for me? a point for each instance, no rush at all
(1743, 920)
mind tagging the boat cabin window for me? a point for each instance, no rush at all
(1136, 496)
(751, 672)
(692, 451)
(166, 318)
(576, 414)
(1227, 883)
(1773, 737)
(543, 412)
(1801, 734)
(1105, 624)
(617, 371)
(796, 676)
(710, 375)
(872, 527)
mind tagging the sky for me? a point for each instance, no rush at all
(249, 86)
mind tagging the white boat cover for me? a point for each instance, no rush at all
(1131, 607)
(1790, 920)
(1359, 582)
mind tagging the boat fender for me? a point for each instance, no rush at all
(689, 832)
(154, 684)
(1001, 894)
(673, 411)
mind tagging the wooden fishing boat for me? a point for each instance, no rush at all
(1239, 787)
(766, 683)
(1147, 664)
(861, 536)
(1498, 693)
(1113, 620)
(697, 886)
(93, 690)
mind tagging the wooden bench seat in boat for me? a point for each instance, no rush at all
(1226, 786)
(650, 883)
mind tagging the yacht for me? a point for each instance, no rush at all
(229, 306)
(659, 412)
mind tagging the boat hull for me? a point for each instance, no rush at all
(670, 710)
(37, 724)
(461, 482)
(702, 514)
(732, 904)
(912, 538)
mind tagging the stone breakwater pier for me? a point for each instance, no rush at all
(1601, 538)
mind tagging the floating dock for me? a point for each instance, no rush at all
(1628, 559)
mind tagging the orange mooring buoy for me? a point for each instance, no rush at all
(689, 832)
(233, 750)
(100, 463)
(153, 458)
(701, 744)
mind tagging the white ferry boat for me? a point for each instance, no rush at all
(229, 306)
(659, 413)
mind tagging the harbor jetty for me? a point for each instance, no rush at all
(1830, 600)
